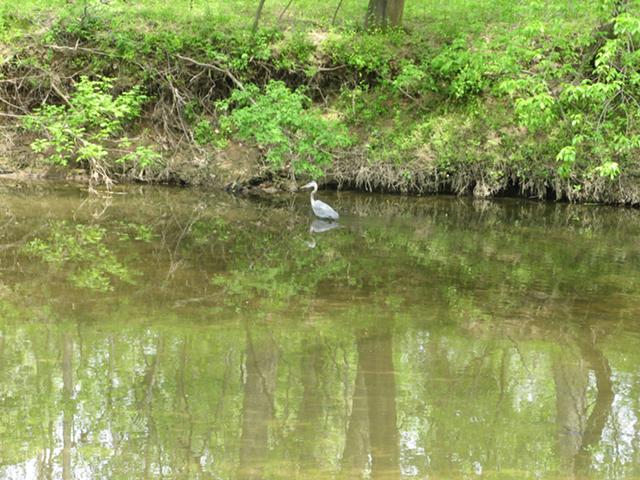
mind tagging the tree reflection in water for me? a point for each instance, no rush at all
(431, 338)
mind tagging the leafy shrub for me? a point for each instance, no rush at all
(295, 52)
(365, 52)
(460, 69)
(363, 105)
(412, 80)
(246, 48)
(294, 135)
(89, 129)
(537, 111)
(203, 132)
(594, 120)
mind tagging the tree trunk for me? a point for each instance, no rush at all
(256, 19)
(394, 12)
(384, 13)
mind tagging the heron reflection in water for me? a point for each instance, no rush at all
(321, 209)
(320, 226)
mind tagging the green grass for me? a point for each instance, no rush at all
(433, 17)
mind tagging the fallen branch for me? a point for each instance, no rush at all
(12, 106)
(217, 68)
(61, 94)
(81, 49)
(93, 51)
(331, 69)
(11, 115)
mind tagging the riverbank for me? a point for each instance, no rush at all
(478, 98)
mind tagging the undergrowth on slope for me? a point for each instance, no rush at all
(470, 97)
(293, 134)
(89, 130)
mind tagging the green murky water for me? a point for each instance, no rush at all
(162, 333)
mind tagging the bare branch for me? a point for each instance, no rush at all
(215, 67)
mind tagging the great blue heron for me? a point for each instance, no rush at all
(321, 209)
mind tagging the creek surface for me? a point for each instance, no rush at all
(166, 333)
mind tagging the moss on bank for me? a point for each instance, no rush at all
(487, 99)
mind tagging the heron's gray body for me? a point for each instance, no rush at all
(321, 209)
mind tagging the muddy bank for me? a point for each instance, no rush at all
(241, 168)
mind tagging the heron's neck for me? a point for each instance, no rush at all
(312, 199)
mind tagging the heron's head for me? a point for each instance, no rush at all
(313, 185)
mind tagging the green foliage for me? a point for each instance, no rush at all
(364, 52)
(460, 69)
(143, 157)
(363, 104)
(84, 130)
(412, 80)
(608, 169)
(594, 120)
(294, 135)
(536, 112)
(203, 132)
(295, 52)
(566, 157)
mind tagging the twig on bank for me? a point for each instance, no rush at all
(80, 49)
(12, 106)
(331, 69)
(11, 115)
(217, 68)
(61, 94)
